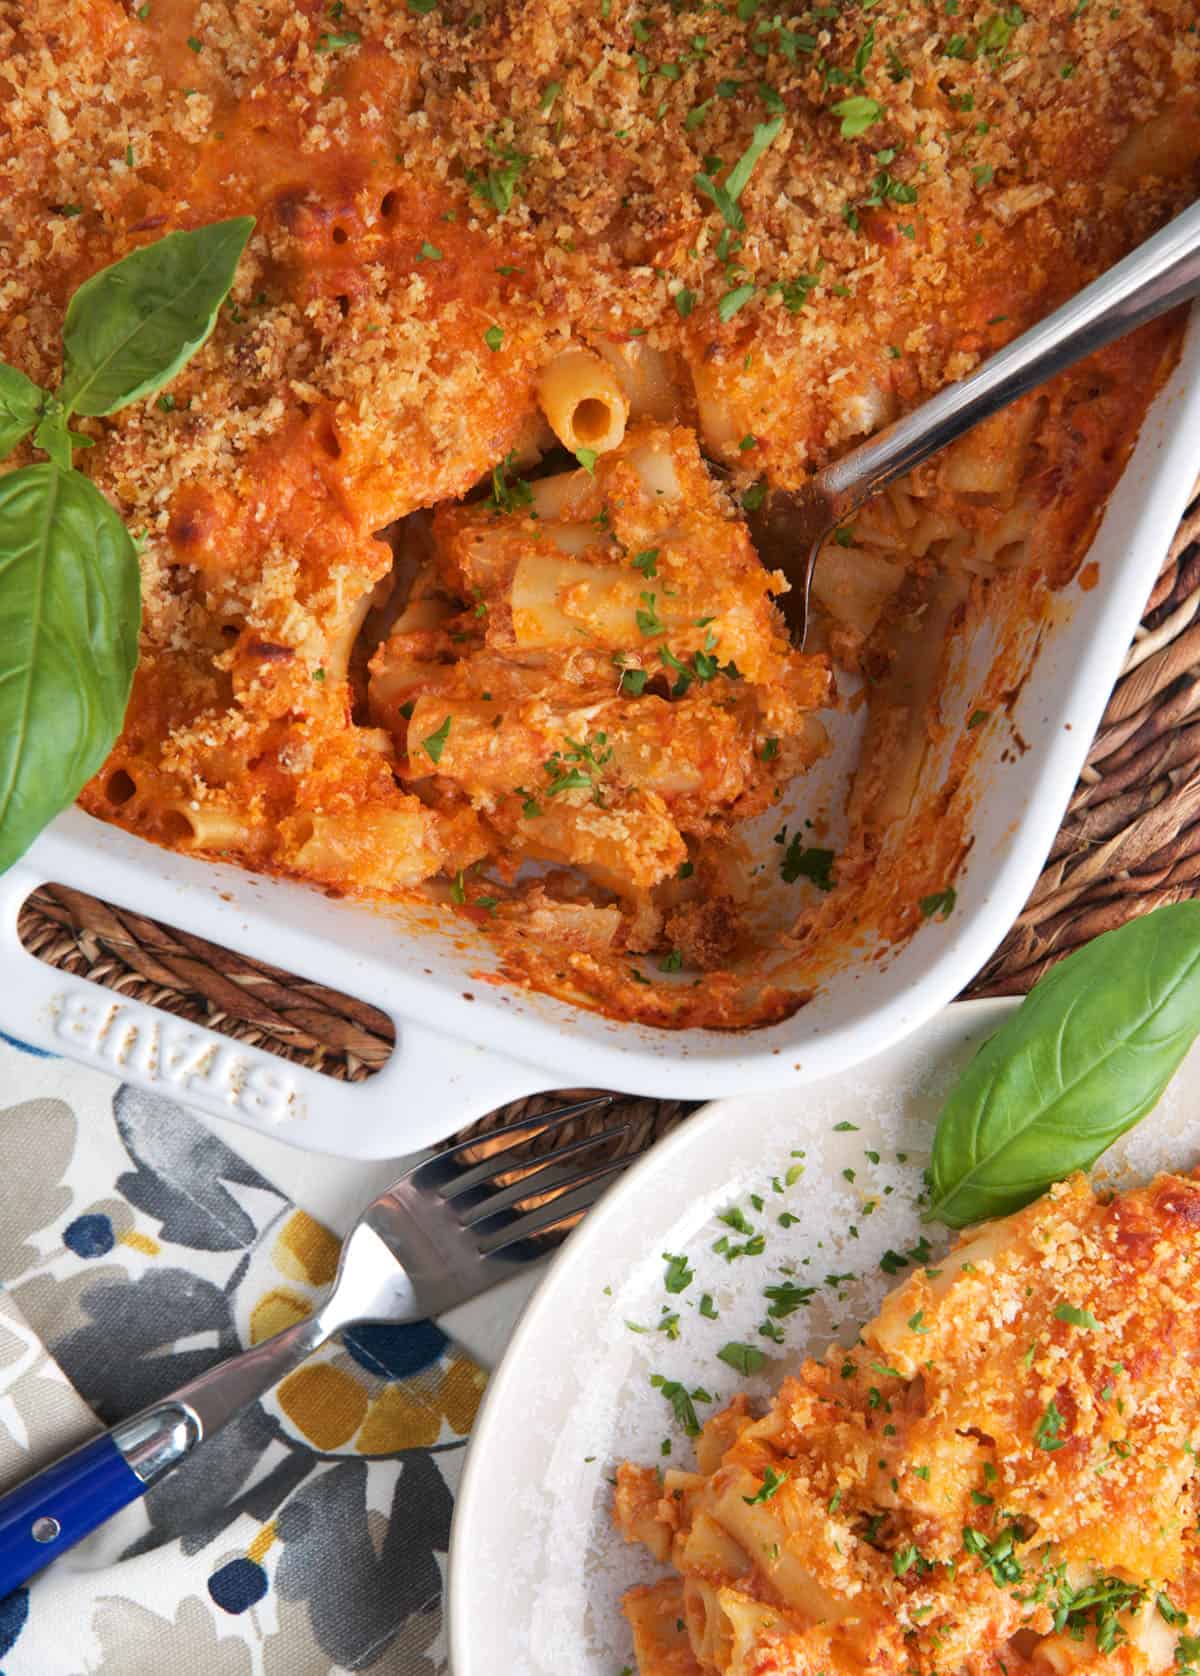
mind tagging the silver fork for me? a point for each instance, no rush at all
(790, 527)
(454, 1224)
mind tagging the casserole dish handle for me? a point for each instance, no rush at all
(430, 1087)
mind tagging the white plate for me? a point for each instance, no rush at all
(535, 1567)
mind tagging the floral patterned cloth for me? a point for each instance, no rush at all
(309, 1539)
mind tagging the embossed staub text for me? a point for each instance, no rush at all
(150, 1047)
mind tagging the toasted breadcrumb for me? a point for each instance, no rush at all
(817, 216)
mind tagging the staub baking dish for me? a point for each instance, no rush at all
(466, 1042)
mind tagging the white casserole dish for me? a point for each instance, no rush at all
(466, 1044)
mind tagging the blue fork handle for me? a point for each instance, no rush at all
(65, 1502)
(43, 1517)
(62, 1505)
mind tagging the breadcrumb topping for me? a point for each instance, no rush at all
(817, 213)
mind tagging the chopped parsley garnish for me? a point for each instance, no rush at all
(941, 903)
(435, 743)
(633, 681)
(530, 807)
(1046, 1436)
(885, 189)
(645, 561)
(672, 962)
(703, 667)
(977, 718)
(814, 864)
(428, 252)
(753, 1247)
(744, 1358)
(786, 1299)
(648, 620)
(508, 494)
(996, 1556)
(333, 43)
(732, 301)
(591, 758)
(685, 302)
(707, 1308)
(499, 185)
(1187, 1652)
(678, 1276)
(1099, 1603)
(858, 113)
(573, 779)
(795, 291)
(587, 458)
(493, 337)
(999, 30)
(726, 197)
(1075, 1317)
(739, 175)
(771, 1485)
(682, 1401)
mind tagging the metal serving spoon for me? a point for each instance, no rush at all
(791, 525)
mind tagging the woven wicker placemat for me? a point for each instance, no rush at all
(1130, 841)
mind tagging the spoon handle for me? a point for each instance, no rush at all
(1157, 276)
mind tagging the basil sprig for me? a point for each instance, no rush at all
(20, 407)
(1084, 1058)
(70, 595)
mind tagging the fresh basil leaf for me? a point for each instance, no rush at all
(69, 616)
(20, 404)
(133, 325)
(1085, 1056)
(52, 435)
